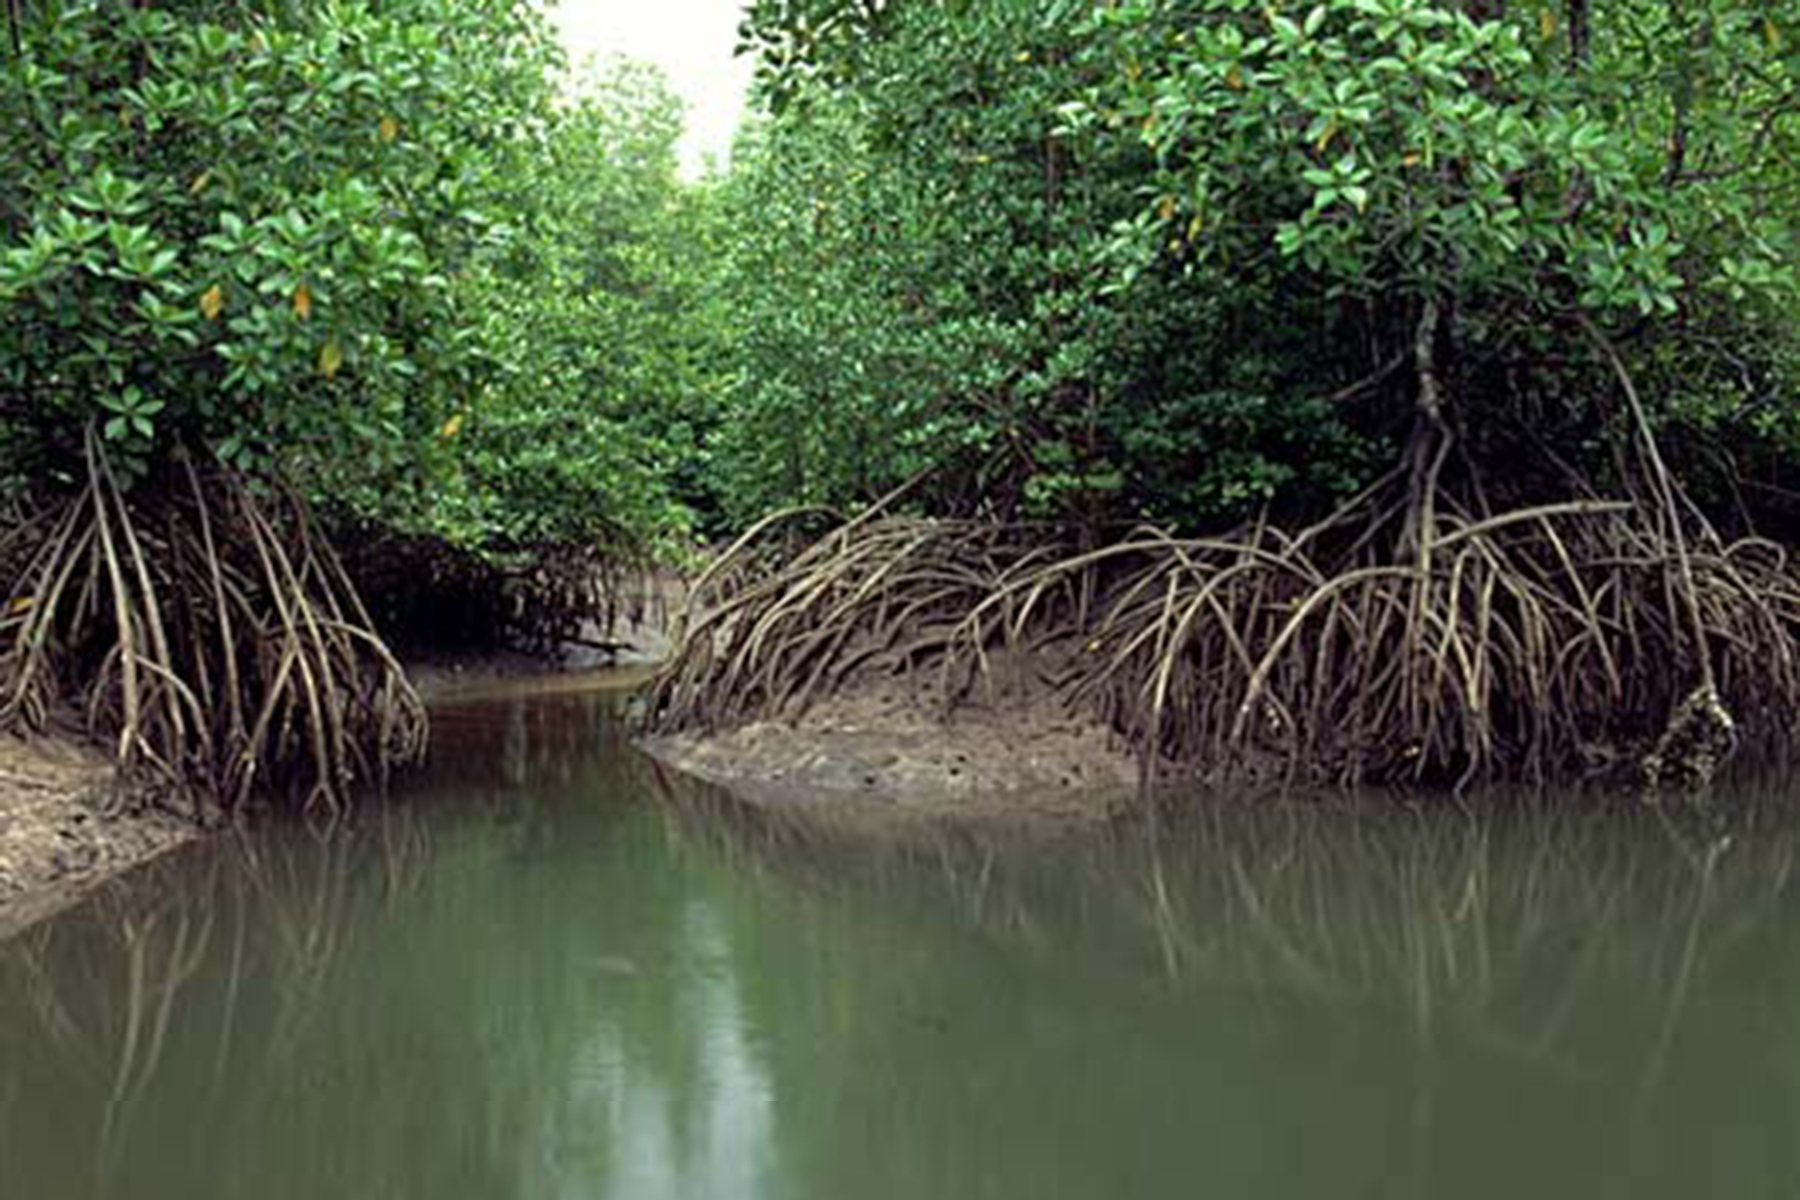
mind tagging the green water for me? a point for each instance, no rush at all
(549, 973)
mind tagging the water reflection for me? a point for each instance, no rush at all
(550, 971)
(1293, 996)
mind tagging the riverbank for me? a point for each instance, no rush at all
(1561, 643)
(883, 743)
(64, 829)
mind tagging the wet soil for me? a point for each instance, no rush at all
(886, 742)
(65, 828)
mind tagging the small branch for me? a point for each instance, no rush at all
(1368, 383)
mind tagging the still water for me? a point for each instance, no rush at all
(551, 972)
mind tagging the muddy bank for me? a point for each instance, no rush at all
(885, 743)
(64, 829)
(627, 656)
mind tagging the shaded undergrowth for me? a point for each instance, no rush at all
(430, 595)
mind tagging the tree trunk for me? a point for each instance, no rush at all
(1580, 29)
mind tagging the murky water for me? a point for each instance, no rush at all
(546, 975)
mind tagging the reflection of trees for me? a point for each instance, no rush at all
(495, 1009)
(1432, 914)
(519, 981)
(1383, 981)
(182, 958)
(527, 740)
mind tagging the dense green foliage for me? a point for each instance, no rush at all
(245, 228)
(373, 267)
(1165, 258)
(364, 242)
(1171, 257)
(585, 421)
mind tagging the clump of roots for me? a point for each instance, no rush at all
(205, 630)
(776, 624)
(1417, 634)
(1532, 644)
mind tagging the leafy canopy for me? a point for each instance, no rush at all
(1170, 257)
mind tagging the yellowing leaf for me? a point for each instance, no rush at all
(22, 604)
(1331, 131)
(452, 427)
(1023, 56)
(390, 129)
(1165, 208)
(1194, 227)
(1772, 34)
(1412, 159)
(1234, 78)
(303, 302)
(212, 303)
(331, 357)
(200, 182)
(1547, 23)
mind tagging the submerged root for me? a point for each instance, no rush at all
(1535, 644)
(207, 633)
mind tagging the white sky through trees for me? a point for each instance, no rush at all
(691, 40)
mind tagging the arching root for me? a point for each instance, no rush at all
(207, 633)
(1537, 644)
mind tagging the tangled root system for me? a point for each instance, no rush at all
(1408, 637)
(776, 624)
(1532, 644)
(207, 632)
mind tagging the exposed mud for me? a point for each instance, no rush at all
(64, 828)
(884, 742)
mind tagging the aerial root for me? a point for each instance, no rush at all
(209, 634)
(1534, 644)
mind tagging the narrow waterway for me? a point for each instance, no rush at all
(549, 971)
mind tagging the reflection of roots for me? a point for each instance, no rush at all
(208, 632)
(1528, 644)
(231, 957)
(1506, 928)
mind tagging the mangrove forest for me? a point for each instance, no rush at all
(837, 599)
(1371, 391)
